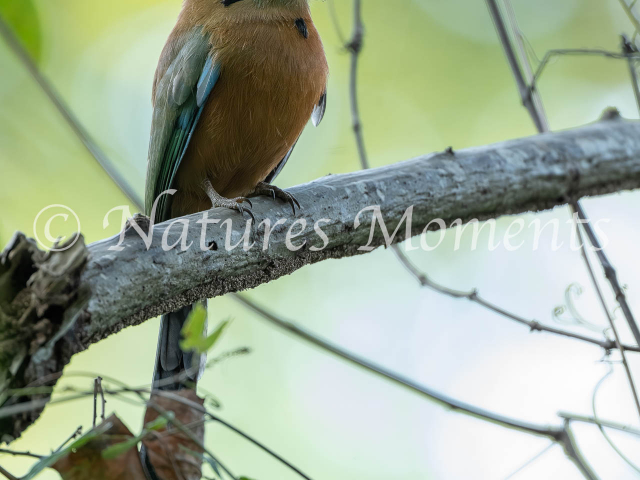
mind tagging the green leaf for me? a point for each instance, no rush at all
(159, 422)
(194, 335)
(82, 441)
(211, 340)
(115, 450)
(22, 17)
(118, 449)
(193, 329)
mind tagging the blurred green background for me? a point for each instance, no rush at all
(432, 75)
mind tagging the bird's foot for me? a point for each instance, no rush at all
(236, 204)
(267, 189)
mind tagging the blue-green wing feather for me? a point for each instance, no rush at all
(181, 94)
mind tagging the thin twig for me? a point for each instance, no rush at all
(475, 297)
(609, 272)
(355, 47)
(45, 85)
(629, 11)
(74, 435)
(227, 355)
(97, 390)
(523, 88)
(8, 474)
(574, 51)
(17, 453)
(530, 461)
(259, 445)
(575, 455)
(103, 400)
(32, 405)
(95, 401)
(629, 48)
(612, 324)
(603, 423)
(561, 435)
(432, 395)
(538, 106)
(336, 23)
(601, 428)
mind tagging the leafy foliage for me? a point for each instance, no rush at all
(75, 446)
(194, 332)
(118, 449)
(22, 17)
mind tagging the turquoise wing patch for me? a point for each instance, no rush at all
(180, 99)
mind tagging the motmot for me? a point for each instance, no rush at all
(236, 83)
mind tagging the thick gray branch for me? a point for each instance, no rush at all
(534, 173)
(116, 289)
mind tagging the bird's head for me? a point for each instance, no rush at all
(267, 3)
(208, 12)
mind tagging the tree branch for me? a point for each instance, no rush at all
(534, 325)
(558, 434)
(83, 294)
(355, 47)
(534, 173)
(538, 116)
(601, 423)
(48, 89)
(7, 474)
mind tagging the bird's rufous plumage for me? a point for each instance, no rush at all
(272, 75)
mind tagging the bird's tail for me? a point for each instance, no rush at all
(175, 369)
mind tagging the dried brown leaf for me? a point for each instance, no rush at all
(168, 449)
(87, 463)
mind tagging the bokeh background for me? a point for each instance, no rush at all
(432, 75)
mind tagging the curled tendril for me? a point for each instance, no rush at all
(568, 314)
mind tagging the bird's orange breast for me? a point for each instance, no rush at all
(271, 79)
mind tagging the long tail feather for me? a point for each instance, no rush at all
(175, 369)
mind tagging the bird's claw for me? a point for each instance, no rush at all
(236, 204)
(275, 192)
(239, 201)
(244, 200)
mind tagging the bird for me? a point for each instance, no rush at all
(236, 84)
